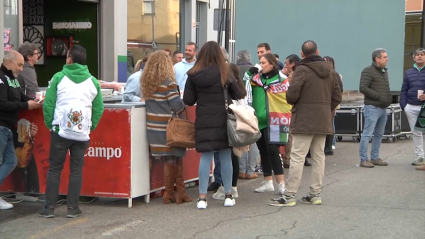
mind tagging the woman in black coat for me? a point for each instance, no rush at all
(204, 86)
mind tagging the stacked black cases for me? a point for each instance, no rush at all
(347, 122)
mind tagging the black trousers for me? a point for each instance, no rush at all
(58, 150)
(270, 159)
(235, 165)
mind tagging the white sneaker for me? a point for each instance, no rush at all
(333, 147)
(202, 204)
(5, 205)
(229, 202)
(419, 161)
(235, 192)
(282, 188)
(266, 186)
(219, 195)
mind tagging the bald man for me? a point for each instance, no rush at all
(12, 100)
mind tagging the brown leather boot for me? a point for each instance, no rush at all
(181, 187)
(169, 175)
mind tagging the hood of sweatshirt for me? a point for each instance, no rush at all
(318, 65)
(76, 72)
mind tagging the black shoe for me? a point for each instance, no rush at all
(47, 212)
(329, 152)
(71, 213)
(306, 163)
(213, 186)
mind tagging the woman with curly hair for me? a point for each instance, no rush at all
(205, 88)
(162, 101)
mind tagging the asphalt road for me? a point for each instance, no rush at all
(384, 202)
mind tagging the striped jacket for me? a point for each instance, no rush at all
(159, 109)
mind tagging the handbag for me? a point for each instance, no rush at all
(180, 132)
(237, 138)
(420, 121)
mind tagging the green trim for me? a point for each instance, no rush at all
(122, 58)
(97, 106)
(419, 69)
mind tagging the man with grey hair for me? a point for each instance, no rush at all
(243, 61)
(375, 86)
(11, 102)
(411, 101)
(28, 78)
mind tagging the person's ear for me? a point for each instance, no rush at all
(302, 55)
(317, 52)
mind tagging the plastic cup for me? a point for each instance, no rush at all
(39, 95)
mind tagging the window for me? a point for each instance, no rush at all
(149, 7)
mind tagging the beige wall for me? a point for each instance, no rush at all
(414, 5)
(139, 26)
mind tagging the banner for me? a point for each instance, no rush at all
(107, 167)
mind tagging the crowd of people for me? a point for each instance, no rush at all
(295, 103)
(270, 87)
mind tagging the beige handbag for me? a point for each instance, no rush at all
(180, 132)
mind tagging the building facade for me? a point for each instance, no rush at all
(54, 26)
(413, 31)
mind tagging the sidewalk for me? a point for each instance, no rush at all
(383, 202)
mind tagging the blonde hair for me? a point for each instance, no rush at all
(137, 67)
(158, 69)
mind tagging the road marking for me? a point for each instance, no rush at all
(60, 228)
(121, 228)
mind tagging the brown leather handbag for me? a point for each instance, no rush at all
(180, 132)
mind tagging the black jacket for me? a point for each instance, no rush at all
(375, 86)
(12, 100)
(204, 88)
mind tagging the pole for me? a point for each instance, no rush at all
(153, 25)
(220, 29)
(227, 32)
(423, 25)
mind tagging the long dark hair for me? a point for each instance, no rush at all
(235, 71)
(330, 59)
(210, 54)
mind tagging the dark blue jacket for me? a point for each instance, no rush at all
(414, 80)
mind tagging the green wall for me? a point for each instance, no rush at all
(348, 30)
(71, 11)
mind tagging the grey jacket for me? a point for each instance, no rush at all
(243, 67)
(28, 80)
(375, 86)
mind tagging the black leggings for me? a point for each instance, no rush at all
(270, 159)
(235, 166)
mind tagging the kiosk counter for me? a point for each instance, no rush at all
(117, 162)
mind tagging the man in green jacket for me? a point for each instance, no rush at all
(73, 107)
(375, 86)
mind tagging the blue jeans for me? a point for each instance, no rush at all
(375, 121)
(248, 160)
(226, 170)
(217, 169)
(8, 159)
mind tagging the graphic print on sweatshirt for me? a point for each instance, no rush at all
(12, 82)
